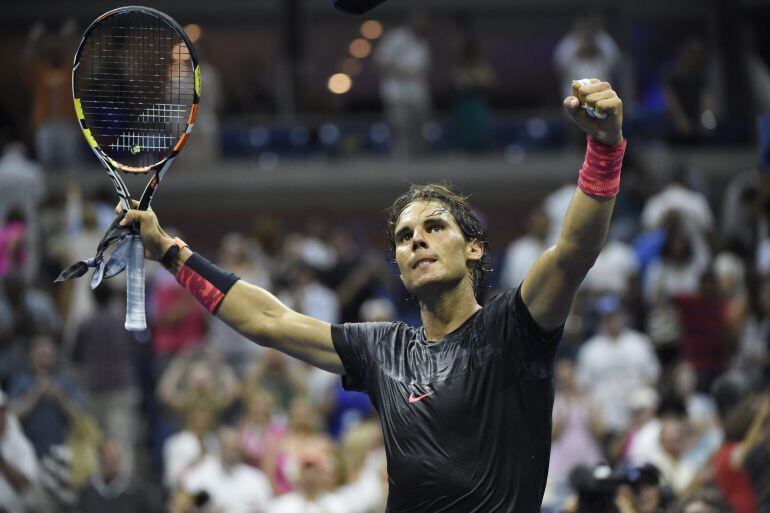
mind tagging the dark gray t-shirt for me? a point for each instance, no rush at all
(467, 420)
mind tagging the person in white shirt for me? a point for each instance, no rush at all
(522, 252)
(231, 485)
(692, 206)
(183, 450)
(18, 464)
(403, 58)
(614, 271)
(586, 51)
(614, 363)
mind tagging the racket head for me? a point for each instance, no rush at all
(136, 88)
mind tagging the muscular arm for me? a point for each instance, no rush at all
(258, 315)
(550, 286)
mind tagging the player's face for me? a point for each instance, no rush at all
(431, 251)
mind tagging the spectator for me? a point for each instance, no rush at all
(745, 429)
(22, 189)
(403, 59)
(614, 363)
(307, 295)
(701, 411)
(232, 486)
(45, 398)
(616, 271)
(689, 95)
(260, 426)
(577, 427)
(110, 489)
(684, 258)
(706, 331)
(178, 323)
(46, 58)
(276, 374)
(24, 313)
(282, 458)
(664, 444)
(692, 206)
(587, 51)
(18, 464)
(522, 252)
(192, 382)
(473, 77)
(106, 355)
(314, 490)
(183, 450)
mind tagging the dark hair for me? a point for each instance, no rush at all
(460, 209)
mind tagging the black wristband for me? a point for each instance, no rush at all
(211, 273)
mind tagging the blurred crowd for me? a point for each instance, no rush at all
(437, 87)
(662, 376)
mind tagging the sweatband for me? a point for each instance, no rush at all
(206, 282)
(600, 175)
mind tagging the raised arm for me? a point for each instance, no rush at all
(550, 285)
(250, 310)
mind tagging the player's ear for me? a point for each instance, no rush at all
(474, 249)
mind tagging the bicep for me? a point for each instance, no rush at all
(260, 316)
(549, 289)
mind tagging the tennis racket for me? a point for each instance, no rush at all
(136, 87)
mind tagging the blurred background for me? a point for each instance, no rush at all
(311, 122)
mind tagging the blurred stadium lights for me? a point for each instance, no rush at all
(299, 136)
(371, 29)
(329, 134)
(360, 48)
(352, 66)
(379, 133)
(340, 83)
(194, 32)
(432, 131)
(259, 136)
(537, 128)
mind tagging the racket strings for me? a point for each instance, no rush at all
(136, 84)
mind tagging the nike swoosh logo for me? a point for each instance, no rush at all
(413, 399)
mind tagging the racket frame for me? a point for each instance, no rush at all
(134, 304)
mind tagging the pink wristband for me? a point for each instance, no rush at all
(600, 175)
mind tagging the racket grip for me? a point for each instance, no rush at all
(135, 320)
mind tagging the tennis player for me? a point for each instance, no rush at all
(465, 400)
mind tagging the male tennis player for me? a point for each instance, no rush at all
(464, 401)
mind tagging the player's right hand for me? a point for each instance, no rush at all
(156, 241)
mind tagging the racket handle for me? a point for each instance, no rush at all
(135, 286)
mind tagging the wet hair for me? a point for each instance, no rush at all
(460, 209)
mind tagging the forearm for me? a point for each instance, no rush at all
(585, 229)
(256, 314)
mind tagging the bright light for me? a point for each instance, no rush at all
(193, 32)
(360, 48)
(371, 29)
(352, 67)
(340, 83)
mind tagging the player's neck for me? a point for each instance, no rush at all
(446, 312)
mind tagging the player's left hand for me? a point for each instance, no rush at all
(599, 96)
